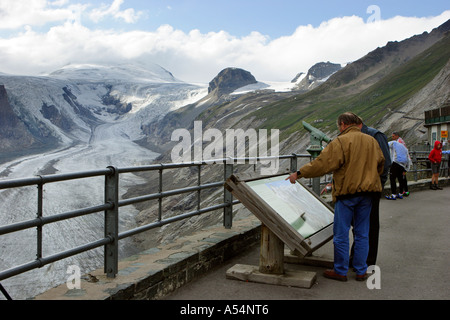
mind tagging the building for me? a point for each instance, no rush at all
(437, 121)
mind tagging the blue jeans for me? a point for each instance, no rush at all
(355, 208)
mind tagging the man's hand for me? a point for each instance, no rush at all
(293, 177)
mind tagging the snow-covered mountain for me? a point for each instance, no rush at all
(82, 117)
(142, 72)
(317, 75)
(68, 104)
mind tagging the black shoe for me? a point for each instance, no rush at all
(361, 277)
(437, 187)
(433, 187)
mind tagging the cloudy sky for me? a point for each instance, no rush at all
(196, 39)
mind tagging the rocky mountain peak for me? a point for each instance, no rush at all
(323, 70)
(230, 79)
(317, 74)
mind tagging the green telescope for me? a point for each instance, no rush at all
(317, 137)
(315, 149)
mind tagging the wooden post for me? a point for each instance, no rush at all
(271, 266)
(271, 252)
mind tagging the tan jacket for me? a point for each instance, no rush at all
(354, 158)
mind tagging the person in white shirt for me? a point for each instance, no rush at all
(400, 164)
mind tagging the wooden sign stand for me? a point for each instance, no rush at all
(271, 266)
(274, 234)
(271, 259)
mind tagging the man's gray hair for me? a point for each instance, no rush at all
(349, 118)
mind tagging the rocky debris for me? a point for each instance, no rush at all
(13, 132)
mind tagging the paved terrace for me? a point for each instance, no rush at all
(414, 255)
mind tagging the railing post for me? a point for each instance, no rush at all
(227, 198)
(414, 161)
(111, 265)
(39, 216)
(160, 190)
(448, 163)
(294, 164)
(199, 183)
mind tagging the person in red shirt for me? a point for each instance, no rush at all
(435, 158)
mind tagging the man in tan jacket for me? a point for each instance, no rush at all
(356, 161)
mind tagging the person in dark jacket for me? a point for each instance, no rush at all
(374, 229)
(435, 158)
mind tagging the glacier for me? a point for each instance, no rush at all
(98, 137)
(106, 106)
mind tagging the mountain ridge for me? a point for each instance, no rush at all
(77, 98)
(340, 86)
(430, 72)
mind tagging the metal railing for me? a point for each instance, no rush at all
(112, 203)
(421, 164)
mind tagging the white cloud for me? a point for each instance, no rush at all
(128, 15)
(15, 14)
(199, 57)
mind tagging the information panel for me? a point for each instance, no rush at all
(294, 203)
(293, 212)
